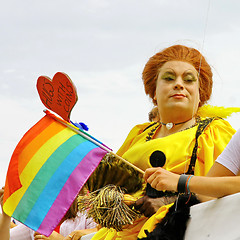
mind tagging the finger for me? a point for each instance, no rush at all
(143, 208)
(139, 203)
(148, 212)
(142, 204)
(156, 184)
(148, 172)
(75, 237)
(147, 209)
(69, 237)
(38, 236)
(155, 175)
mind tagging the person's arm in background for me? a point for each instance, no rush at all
(77, 234)
(5, 221)
(227, 164)
(4, 226)
(53, 236)
(217, 170)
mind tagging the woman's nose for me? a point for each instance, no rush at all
(178, 84)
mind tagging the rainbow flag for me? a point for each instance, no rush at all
(48, 168)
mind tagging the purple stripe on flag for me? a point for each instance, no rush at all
(70, 190)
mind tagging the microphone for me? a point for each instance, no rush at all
(157, 159)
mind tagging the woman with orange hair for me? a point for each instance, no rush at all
(189, 135)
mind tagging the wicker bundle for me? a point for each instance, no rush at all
(113, 170)
(108, 186)
(107, 207)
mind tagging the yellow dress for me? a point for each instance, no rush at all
(178, 149)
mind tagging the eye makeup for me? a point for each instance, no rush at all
(189, 77)
(168, 76)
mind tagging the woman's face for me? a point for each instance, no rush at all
(177, 89)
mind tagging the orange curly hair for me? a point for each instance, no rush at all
(178, 53)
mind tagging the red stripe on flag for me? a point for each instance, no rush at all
(13, 168)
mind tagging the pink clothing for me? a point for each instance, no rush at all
(80, 222)
(21, 232)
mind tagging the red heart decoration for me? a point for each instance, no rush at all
(58, 94)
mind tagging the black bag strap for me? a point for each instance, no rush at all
(201, 127)
(150, 126)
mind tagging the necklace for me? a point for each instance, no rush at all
(155, 126)
(170, 125)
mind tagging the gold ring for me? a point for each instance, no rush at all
(70, 236)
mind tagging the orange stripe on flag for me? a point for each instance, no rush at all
(33, 146)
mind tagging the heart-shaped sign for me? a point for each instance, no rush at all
(58, 94)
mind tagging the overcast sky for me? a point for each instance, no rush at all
(103, 46)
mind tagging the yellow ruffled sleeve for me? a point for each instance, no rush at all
(211, 143)
(138, 129)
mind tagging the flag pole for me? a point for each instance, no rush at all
(72, 127)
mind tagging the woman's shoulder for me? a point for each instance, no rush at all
(134, 132)
(221, 124)
(143, 127)
(140, 128)
(217, 128)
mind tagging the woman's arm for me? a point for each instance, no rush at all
(161, 179)
(53, 236)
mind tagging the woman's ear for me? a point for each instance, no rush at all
(154, 99)
(154, 96)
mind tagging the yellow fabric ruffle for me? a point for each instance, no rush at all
(129, 232)
(153, 220)
(132, 232)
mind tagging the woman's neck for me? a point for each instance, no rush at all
(171, 127)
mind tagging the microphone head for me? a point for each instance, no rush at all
(157, 159)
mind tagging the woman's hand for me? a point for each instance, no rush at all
(53, 236)
(161, 179)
